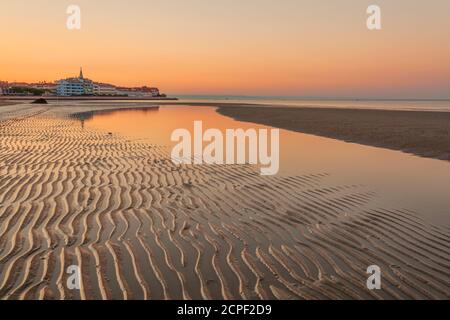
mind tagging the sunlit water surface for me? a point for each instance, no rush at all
(401, 180)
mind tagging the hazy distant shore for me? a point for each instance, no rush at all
(421, 133)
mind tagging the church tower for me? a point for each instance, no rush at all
(81, 73)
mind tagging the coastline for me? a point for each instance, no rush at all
(422, 133)
(86, 98)
(141, 227)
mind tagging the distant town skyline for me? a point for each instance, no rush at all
(257, 47)
(80, 75)
(76, 86)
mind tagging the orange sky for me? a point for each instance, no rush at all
(252, 47)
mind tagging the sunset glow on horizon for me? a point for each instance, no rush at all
(255, 47)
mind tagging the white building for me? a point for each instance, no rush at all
(75, 86)
(139, 91)
(102, 89)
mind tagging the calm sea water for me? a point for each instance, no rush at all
(401, 180)
(418, 105)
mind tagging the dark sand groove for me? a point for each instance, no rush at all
(142, 228)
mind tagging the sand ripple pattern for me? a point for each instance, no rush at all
(142, 228)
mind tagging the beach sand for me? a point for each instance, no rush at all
(421, 133)
(141, 227)
(4, 102)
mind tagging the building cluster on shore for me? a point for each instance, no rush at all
(77, 86)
